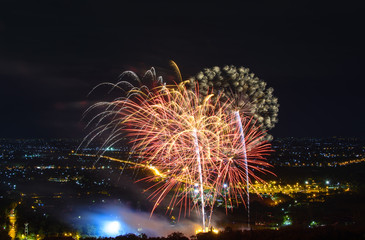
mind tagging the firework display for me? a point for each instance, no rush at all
(248, 93)
(248, 96)
(192, 139)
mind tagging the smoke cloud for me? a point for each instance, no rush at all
(93, 221)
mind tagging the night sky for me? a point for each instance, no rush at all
(53, 53)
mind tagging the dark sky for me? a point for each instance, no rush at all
(53, 53)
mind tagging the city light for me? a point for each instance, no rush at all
(213, 230)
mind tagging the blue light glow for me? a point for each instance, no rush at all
(112, 228)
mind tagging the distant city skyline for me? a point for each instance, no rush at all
(318, 182)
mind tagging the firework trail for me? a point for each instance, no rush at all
(110, 109)
(244, 151)
(197, 151)
(191, 139)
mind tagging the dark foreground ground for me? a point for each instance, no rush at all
(320, 233)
